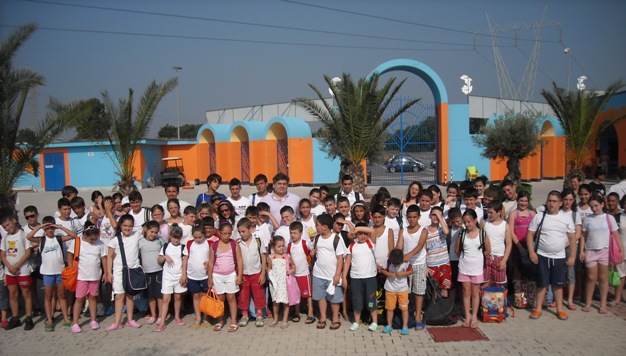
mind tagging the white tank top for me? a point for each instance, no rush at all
(471, 260)
(497, 236)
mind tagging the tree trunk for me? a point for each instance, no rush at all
(7, 203)
(356, 171)
(125, 187)
(515, 173)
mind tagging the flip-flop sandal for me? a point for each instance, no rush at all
(196, 325)
(284, 325)
(336, 325)
(535, 315)
(571, 307)
(218, 327)
(420, 326)
(273, 324)
(295, 318)
(602, 311)
(161, 328)
(474, 324)
(466, 324)
(232, 328)
(310, 320)
(561, 315)
(586, 308)
(321, 325)
(49, 327)
(180, 322)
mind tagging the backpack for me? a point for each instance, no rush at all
(182, 248)
(494, 304)
(233, 246)
(306, 251)
(335, 244)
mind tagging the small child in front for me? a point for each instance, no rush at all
(279, 265)
(254, 262)
(396, 289)
(174, 257)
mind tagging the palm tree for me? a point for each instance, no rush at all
(578, 113)
(17, 158)
(356, 128)
(129, 125)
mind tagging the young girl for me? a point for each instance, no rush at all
(381, 235)
(226, 273)
(471, 263)
(114, 270)
(584, 194)
(411, 198)
(216, 200)
(518, 221)
(569, 207)
(436, 196)
(92, 256)
(307, 219)
(360, 214)
(197, 279)
(597, 231)
(149, 248)
(173, 207)
(499, 236)
(158, 213)
(396, 289)
(279, 265)
(173, 256)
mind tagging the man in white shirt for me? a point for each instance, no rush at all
(240, 203)
(260, 181)
(346, 190)
(171, 192)
(620, 188)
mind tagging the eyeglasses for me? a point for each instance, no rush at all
(29, 216)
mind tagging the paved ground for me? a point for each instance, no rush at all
(583, 334)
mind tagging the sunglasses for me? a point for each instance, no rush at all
(29, 216)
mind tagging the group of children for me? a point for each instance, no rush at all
(328, 249)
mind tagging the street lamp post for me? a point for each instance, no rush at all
(567, 51)
(177, 68)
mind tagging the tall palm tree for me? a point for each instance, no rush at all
(578, 113)
(129, 125)
(356, 128)
(18, 158)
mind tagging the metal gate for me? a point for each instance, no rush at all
(245, 162)
(410, 149)
(212, 158)
(282, 156)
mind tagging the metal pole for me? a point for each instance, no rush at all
(177, 68)
(567, 51)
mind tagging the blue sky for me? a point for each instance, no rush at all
(240, 53)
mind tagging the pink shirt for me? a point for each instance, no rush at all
(224, 262)
(520, 226)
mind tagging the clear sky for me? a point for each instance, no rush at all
(240, 53)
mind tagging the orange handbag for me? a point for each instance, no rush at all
(69, 276)
(211, 305)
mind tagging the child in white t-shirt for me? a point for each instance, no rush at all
(91, 258)
(307, 219)
(396, 289)
(197, 263)
(287, 216)
(254, 268)
(52, 264)
(391, 220)
(149, 248)
(174, 257)
(298, 249)
(239, 202)
(189, 219)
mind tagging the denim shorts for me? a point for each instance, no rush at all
(319, 291)
(51, 280)
(194, 286)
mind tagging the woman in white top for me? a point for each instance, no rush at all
(597, 231)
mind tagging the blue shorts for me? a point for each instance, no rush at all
(195, 286)
(551, 272)
(51, 280)
(319, 287)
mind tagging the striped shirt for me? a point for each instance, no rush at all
(436, 249)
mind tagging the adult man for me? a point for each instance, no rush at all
(620, 188)
(171, 192)
(346, 191)
(280, 197)
(556, 228)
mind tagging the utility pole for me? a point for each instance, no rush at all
(177, 68)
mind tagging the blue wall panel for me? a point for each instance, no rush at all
(325, 170)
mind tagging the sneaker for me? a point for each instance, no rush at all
(133, 324)
(373, 327)
(244, 321)
(355, 327)
(28, 323)
(13, 323)
(151, 320)
(387, 329)
(158, 321)
(110, 311)
(76, 328)
(100, 309)
(94, 325)
(114, 327)
(405, 331)
(259, 323)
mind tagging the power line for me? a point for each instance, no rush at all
(124, 33)
(244, 23)
(435, 27)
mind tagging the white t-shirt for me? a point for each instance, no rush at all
(131, 247)
(381, 248)
(424, 219)
(198, 254)
(89, 259)
(509, 206)
(186, 233)
(299, 258)
(283, 231)
(553, 233)
(326, 262)
(264, 235)
(598, 232)
(250, 255)
(497, 237)
(308, 230)
(584, 213)
(400, 284)
(72, 224)
(393, 224)
(240, 205)
(318, 210)
(166, 214)
(479, 212)
(140, 219)
(15, 246)
(175, 271)
(51, 257)
(619, 188)
(363, 263)
(410, 242)
(106, 230)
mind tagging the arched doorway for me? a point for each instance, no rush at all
(440, 97)
(240, 135)
(278, 133)
(208, 137)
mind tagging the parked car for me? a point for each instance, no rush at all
(433, 164)
(404, 163)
